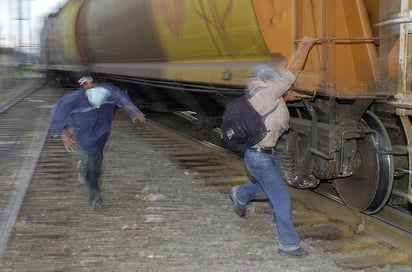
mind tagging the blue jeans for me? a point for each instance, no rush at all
(91, 163)
(267, 180)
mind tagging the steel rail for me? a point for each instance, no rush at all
(15, 198)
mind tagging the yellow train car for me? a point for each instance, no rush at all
(354, 127)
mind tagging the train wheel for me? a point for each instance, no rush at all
(369, 188)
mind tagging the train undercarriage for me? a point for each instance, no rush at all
(349, 146)
(360, 146)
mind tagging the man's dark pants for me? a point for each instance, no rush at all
(91, 165)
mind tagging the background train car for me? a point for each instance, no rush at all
(354, 127)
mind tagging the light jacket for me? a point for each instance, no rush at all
(269, 95)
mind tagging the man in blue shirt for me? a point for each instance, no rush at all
(83, 121)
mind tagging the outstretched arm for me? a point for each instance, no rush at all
(140, 116)
(68, 139)
(291, 95)
(124, 102)
(298, 59)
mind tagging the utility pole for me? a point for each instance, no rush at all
(24, 21)
(30, 26)
(1, 34)
(20, 23)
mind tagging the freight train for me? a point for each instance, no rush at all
(352, 129)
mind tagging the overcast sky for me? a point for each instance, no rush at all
(9, 24)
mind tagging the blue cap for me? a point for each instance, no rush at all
(264, 72)
(85, 73)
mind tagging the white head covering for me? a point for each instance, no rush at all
(85, 79)
(265, 72)
(97, 96)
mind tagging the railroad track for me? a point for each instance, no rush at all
(395, 213)
(23, 127)
(386, 235)
(166, 208)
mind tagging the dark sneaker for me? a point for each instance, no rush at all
(95, 201)
(297, 253)
(239, 208)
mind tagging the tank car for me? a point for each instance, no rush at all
(353, 127)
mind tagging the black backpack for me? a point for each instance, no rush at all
(242, 126)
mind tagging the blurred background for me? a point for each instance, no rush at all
(20, 25)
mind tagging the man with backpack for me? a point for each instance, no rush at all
(270, 91)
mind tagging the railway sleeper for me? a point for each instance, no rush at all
(379, 259)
